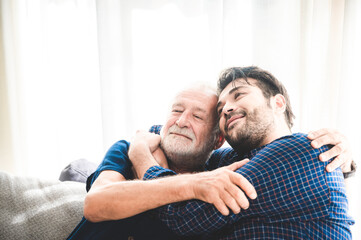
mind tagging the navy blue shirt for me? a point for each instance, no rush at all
(142, 226)
(297, 198)
(306, 201)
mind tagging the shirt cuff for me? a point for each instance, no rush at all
(156, 172)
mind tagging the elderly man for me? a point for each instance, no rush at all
(192, 115)
(189, 136)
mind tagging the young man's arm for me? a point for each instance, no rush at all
(290, 182)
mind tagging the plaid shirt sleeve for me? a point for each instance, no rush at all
(290, 182)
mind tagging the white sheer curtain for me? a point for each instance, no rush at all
(77, 75)
(51, 84)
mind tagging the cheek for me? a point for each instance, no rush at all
(222, 123)
(203, 133)
(199, 132)
(169, 123)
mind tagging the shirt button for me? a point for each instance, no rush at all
(130, 238)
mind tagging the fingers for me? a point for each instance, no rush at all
(239, 199)
(333, 152)
(230, 202)
(152, 140)
(343, 161)
(234, 166)
(316, 134)
(240, 181)
(244, 184)
(334, 164)
(221, 207)
(232, 198)
(225, 189)
(328, 139)
(340, 150)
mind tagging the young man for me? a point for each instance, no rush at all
(297, 198)
(189, 126)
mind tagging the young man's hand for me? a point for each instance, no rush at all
(341, 149)
(224, 188)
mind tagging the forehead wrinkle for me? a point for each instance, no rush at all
(198, 109)
(177, 104)
(195, 109)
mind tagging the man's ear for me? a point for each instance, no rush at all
(220, 141)
(279, 103)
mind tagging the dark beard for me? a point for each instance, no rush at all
(244, 144)
(253, 133)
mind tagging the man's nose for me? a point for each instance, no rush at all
(228, 108)
(183, 120)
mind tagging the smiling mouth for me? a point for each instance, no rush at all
(234, 118)
(181, 135)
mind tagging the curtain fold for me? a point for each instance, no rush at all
(5, 122)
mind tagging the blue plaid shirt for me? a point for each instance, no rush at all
(297, 198)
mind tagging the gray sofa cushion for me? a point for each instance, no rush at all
(31, 208)
(78, 171)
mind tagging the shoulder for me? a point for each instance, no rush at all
(221, 157)
(290, 152)
(120, 145)
(294, 140)
(296, 145)
(115, 159)
(288, 174)
(116, 153)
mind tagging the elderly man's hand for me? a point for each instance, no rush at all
(152, 141)
(341, 149)
(145, 138)
(224, 188)
(144, 152)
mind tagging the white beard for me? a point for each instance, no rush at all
(181, 152)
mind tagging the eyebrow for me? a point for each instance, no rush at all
(200, 110)
(230, 92)
(195, 109)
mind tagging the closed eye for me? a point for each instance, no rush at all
(177, 111)
(238, 94)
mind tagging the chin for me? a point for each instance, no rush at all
(232, 134)
(178, 147)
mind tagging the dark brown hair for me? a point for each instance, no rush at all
(268, 84)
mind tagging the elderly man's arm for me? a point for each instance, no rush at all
(341, 151)
(112, 198)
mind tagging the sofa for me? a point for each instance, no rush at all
(35, 208)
